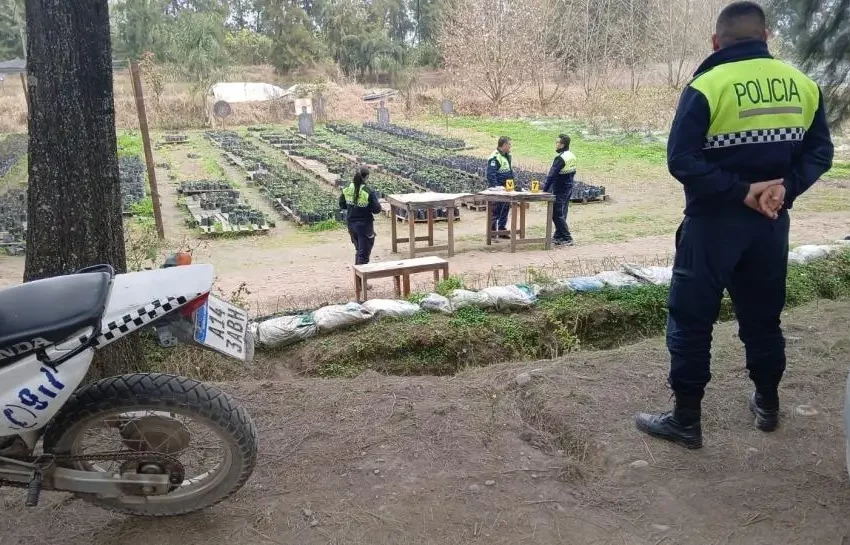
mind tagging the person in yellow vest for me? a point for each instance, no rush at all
(360, 203)
(559, 182)
(499, 171)
(749, 137)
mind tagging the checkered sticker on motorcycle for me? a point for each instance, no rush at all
(138, 319)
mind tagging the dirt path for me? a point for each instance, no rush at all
(477, 459)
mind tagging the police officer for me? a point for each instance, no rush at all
(499, 171)
(559, 182)
(750, 136)
(360, 203)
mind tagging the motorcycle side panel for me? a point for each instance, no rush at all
(139, 298)
(31, 393)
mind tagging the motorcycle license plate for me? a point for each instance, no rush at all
(222, 327)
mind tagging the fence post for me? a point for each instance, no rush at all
(146, 142)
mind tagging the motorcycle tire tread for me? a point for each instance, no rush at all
(164, 391)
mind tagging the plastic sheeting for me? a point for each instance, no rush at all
(237, 92)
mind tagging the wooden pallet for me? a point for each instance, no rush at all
(476, 206)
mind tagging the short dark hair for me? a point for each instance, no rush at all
(565, 140)
(503, 140)
(740, 21)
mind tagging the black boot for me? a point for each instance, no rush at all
(766, 410)
(680, 426)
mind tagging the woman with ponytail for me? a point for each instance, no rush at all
(360, 203)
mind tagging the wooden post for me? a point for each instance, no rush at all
(550, 205)
(513, 226)
(489, 221)
(26, 92)
(451, 233)
(146, 141)
(411, 220)
(430, 227)
(394, 227)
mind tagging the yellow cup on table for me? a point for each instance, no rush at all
(535, 186)
(509, 184)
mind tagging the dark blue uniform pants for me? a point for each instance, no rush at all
(500, 216)
(363, 237)
(559, 217)
(747, 254)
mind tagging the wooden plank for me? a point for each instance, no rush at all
(400, 264)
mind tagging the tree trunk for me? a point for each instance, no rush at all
(74, 205)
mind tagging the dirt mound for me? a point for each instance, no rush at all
(527, 453)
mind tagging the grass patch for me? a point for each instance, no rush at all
(213, 168)
(322, 226)
(840, 171)
(143, 208)
(130, 144)
(437, 344)
(537, 141)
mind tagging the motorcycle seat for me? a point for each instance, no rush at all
(52, 309)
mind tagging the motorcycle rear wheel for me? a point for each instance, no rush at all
(160, 399)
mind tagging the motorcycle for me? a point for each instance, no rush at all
(142, 444)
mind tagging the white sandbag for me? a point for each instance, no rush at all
(284, 331)
(466, 298)
(584, 283)
(436, 303)
(389, 308)
(616, 279)
(810, 252)
(336, 317)
(650, 275)
(507, 297)
(555, 287)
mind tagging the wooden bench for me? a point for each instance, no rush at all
(400, 271)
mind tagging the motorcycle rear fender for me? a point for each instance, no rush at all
(138, 299)
(31, 392)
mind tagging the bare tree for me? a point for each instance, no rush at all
(485, 46)
(548, 45)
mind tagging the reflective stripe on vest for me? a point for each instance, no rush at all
(362, 198)
(757, 101)
(504, 164)
(569, 162)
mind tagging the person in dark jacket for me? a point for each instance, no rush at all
(749, 137)
(360, 203)
(559, 182)
(499, 171)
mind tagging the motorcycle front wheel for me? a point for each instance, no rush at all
(156, 423)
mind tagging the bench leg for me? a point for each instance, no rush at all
(394, 227)
(397, 286)
(406, 278)
(436, 278)
(513, 226)
(364, 287)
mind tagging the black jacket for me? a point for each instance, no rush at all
(361, 213)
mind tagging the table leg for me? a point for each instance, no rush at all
(446, 271)
(357, 287)
(436, 278)
(489, 235)
(513, 226)
(406, 279)
(397, 286)
(412, 226)
(451, 233)
(430, 227)
(522, 220)
(394, 221)
(550, 208)
(364, 287)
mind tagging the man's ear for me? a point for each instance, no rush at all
(715, 42)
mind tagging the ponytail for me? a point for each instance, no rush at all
(359, 179)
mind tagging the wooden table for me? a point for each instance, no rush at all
(411, 202)
(400, 271)
(518, 201)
